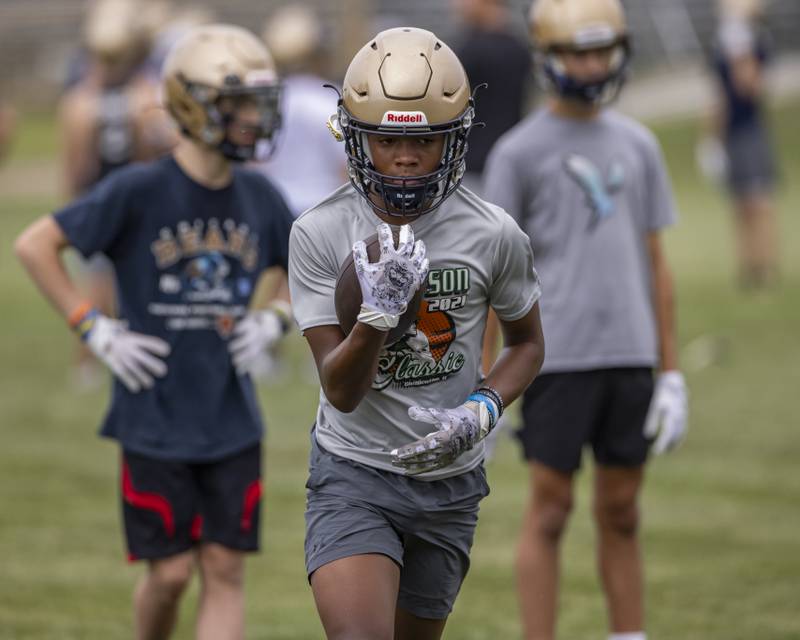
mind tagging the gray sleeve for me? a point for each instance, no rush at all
(659, 200)
(515, 284)
(501, 183)
(312, 281)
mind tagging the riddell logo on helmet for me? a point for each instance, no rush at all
(260, 78)
(402, 118)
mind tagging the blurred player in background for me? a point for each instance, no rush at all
(396, 473)
(188, 236)
(589, 187)
(741, 55)
(492, 54)
(109, 118)
(308, 164)
(177, 22)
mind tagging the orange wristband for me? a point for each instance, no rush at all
(79, 313)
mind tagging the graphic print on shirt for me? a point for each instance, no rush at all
(208, 272)
(599, 189)
(422, 356)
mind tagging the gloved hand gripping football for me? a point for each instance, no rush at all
(388, 285)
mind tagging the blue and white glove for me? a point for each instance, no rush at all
(457, 430)
(388, 285)
(257, 332)
(668, 414)
(135, 358)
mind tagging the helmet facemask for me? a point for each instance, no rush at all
(406, 196)
(220, 108)
(553, 74)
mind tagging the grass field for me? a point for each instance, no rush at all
(722, 516)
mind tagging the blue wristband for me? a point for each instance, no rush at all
(83, 327)
(480, 397)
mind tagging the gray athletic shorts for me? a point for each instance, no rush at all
(425, 527)
(751, 162)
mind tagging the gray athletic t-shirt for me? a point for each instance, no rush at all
(587, 194)
(478, 256)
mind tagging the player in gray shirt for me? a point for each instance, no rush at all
(396, 470)
(589, 187)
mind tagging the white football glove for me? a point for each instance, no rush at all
(711, 158)
(388, 285)
(133, 357)
(253, 334)
(669, 411)
(457, 431)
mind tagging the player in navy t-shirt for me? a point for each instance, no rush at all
(189, 236)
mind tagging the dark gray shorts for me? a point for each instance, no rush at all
(425, 527)
(751, 162)
(604, 408)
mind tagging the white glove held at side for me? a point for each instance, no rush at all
(255, 332)
(457, 430)
(133, 357)
(668, 413)
(388, 285)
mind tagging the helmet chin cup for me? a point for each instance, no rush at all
(402, 200)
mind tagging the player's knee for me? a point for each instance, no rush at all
(171, 577)
(222, 568)
(618, 515)
(551, 516)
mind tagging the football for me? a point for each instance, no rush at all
(347, 297)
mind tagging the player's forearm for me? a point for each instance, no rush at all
(348, 371)
(521, 359)
(39, 248)
(490, 341)
(515, 369)
(664, 301)
(663, 306)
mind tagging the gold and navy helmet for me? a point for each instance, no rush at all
(557, 26)
(207, 72)
(406, 82)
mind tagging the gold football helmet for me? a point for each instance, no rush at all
(741, 9)
(406, 82)
(208, 74)
(557, 26)
(115, 33)
(293, 35)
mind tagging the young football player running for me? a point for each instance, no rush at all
(589, 187)
(188, 236)
(396, 471)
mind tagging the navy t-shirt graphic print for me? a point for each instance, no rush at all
(187, 260)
